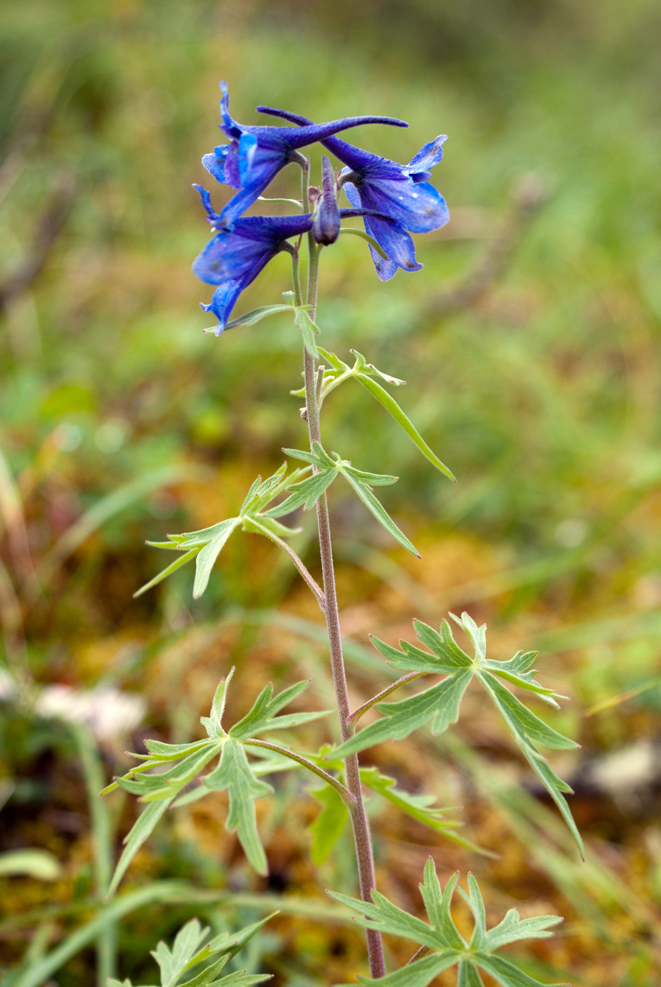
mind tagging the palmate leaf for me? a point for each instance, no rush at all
(164, 774)
(206, 544)
(442, 937)
(186, 953)
(234, 774)
(441, 702)
(305, 493)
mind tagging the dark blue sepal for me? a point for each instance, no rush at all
(234, 257)
(400, 192)
(257, 153)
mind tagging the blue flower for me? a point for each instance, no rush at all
(401, 192)
(235, 256)
(256, 154)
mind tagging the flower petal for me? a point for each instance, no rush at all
(215, 162)
(229, 126)
(417, 206)
(397, 244)
(206, 202)
(427, 158)
(247, 152)
(223, 301)
(222, 164)
(391, 236)
(386, 269)
(229, 256)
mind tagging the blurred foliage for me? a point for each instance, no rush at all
(540, 390)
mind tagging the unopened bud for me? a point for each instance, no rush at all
(326, 223)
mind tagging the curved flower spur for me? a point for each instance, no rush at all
(402, 192)
(257, 153)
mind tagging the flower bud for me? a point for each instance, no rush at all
(326, 222)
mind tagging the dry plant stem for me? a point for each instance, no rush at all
(359, 822)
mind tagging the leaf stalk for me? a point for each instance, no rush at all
(342, 791)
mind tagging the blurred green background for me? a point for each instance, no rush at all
(530, 341)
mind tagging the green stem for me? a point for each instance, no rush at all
(296, 277)
(335, 382)
(359, 822)
(365, 236)
(343, 792)
(298, 562)
(357, 713)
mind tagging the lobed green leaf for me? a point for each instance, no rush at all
(389, 403)
(141, 830)
(208, 555)
(379, 511)
(440, 703)
(447, 657)
(234, 774)
(418, 974)
(443, 938)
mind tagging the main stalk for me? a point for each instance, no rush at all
(359, 821)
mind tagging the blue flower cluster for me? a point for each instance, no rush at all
(393, 199)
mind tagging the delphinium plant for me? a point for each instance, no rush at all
(394, 200)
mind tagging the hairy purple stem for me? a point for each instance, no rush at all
(359, 822)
